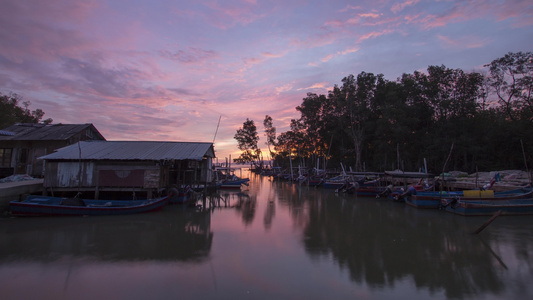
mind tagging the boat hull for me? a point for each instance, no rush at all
(51, 206)
(234, 184)
(439, 199)
(489, 207)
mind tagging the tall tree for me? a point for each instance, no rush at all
(313, 119)
(270, 133)
(511, 78)
(247, 139)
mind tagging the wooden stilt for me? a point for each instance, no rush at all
(494, 216)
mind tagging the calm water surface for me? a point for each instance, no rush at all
(272, 241)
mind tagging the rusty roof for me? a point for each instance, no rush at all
(133, 150)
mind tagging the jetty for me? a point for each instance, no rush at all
(18, 190)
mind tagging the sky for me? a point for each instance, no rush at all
(194, 71)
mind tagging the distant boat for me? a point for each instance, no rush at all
(233, 182)
(55, 206)
(337, 182)
(228, 180)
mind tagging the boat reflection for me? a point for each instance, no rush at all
(174, 234)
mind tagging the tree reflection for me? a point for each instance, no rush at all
(242, 202)
(383, 243)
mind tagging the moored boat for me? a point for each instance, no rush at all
(337, 182)
(489, 207)
(439, 199)
(56, 206)
(233, 182)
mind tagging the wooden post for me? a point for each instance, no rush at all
(525, 161)
(494, 216)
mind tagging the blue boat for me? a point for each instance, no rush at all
(234, 183)
(489, 207)
(430, 199)
(56, 206)
(439, 199)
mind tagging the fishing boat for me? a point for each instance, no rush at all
(337, 182)
(56, 206)
(234, 182)
(430, 199)
(489, 207)
(440, 199)
(372, 184)
(315, 180)
(226, 178)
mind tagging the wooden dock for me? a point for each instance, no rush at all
(10, 191)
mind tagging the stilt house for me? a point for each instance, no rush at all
(127, 169)
(21, 144)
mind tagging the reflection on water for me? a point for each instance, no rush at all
(272, 240)
(181, 236)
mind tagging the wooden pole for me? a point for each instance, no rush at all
(398, 155)
(494, 216)
(525, 161)
(446, 162)
(216, 131)
(290, 161)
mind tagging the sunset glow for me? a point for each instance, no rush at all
(168, 70)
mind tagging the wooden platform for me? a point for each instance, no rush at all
(10, 191)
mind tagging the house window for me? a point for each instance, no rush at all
(5, 157)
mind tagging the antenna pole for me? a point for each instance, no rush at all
(216, 131)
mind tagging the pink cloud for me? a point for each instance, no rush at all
(232, 13)
(273, 55)
(397, 7)
(319, 39)
(468, 42)
(284, 88)
(318, 85)
(191, 55)
(370, 15)
(327, 58)
(375, 34)
(350, 7)
(519, 12)
(40, 29)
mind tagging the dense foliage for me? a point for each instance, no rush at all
(480, 122)
(247, 139)
(11, 112)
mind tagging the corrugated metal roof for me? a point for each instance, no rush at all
(133, 150)
(42, 132)
(8, 133)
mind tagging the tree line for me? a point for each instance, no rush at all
(468, 120)
(11, 111)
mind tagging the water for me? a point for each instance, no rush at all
(273, 241)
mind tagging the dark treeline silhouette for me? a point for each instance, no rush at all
(11, 112)
(472, 121)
